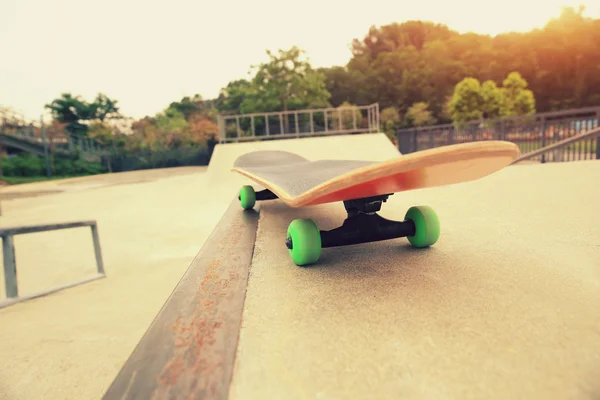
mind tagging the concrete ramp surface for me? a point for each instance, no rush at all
(505, 305)
(369, 147)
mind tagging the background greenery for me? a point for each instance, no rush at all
(419, 72)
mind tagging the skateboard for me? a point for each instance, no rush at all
(363, 186)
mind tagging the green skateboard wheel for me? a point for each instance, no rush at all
(303, 241)
(427, 226)
(247, 197)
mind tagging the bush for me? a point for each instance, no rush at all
(27, 165)
(24, 165)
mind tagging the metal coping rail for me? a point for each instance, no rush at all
(565, 142)
(10, 266)
(189, 349)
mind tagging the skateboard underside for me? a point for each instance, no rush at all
(363, 186)
(300, 182)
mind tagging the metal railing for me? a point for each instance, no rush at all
(585, 139)
(46, 136)
(530, 133)
(10, 265)
(299, 123)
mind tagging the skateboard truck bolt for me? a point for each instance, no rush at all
(289, 244)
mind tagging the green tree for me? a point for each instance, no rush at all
(171, 121)
(188, 106)
(398, 65)
(75, 111)
(467, 101)
(419, 115)
(285, 82)
(389, 118)
(231, 97)
(103, 108)
(518, 99)
(494, 104)
(100, 132)
(71, 110)
(103, 134)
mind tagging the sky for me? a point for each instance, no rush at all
(149, 53)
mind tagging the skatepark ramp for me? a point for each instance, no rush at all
(206, 322)
(368, 146)
(422, 309)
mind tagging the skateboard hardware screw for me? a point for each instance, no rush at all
(289, 244)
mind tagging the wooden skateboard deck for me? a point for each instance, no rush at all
(300, 182)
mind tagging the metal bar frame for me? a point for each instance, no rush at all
(10, 264)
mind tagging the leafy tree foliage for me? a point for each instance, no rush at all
(389, 120)
(399, 65)
(418, 115)
(473, 101)
(285, 82)
(518, 100)
(419, 72)
(467, 101)
(75, 112)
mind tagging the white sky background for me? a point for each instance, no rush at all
(147, 54)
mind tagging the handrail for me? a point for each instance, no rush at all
(588, 135)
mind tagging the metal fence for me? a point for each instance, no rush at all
(530, 133)
(50, 138)
(299, 123)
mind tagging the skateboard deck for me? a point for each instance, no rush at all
(300, 182)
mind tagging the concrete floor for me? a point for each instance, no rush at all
(505, 305)
(71, 344)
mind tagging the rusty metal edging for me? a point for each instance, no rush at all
(189, 349)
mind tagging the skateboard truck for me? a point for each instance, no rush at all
(363, 225)
(305, 241)
(262, 195)
(248, 196)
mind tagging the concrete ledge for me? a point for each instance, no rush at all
(189, 349)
